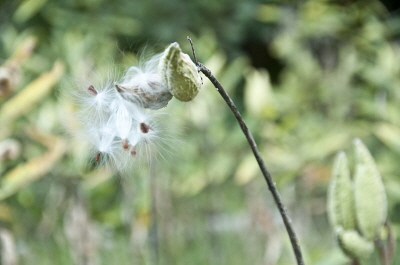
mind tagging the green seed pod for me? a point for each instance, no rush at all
(354, 245)
(179, 73)
(340, 196)
(369, 192)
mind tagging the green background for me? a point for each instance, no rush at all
(308, 77)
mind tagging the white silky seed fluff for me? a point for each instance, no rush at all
(113, 121)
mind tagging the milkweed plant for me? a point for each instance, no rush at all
(357, 208)
(121, 120)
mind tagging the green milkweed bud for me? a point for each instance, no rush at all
(354, 245)
(370, 196)
(340, 196)
(179, 73)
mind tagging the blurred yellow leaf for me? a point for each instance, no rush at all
(10, 71)
(28, 172)
(23, 51)
(258, 93)
(330, 143)
(30, 95)
(28, 9)
(389, 134)
(247, 170)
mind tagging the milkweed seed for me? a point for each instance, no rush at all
(145, 128)
(92, 91)
(97, 157)
(125, 144)
(133, 151)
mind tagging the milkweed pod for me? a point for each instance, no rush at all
(340, 195)
(370, 196)
(179, 73)
(354, 245)
(151, 96)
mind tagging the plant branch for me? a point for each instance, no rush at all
(267, 176)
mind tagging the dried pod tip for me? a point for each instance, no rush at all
(92, 91)
(133, 151)
(145, 128)
(125, 145)
(97, 157)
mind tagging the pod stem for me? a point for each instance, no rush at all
(383, 252)
(267, 176)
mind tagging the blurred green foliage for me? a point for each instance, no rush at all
(308, 77)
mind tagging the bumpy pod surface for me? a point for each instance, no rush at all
(340, 196)
(370, 196)
(354, 245)
(179, 73)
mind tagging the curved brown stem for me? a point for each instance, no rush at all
(267, 176)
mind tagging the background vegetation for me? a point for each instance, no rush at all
(308, 77)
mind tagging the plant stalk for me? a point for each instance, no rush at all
(267, 176)
(383, 252)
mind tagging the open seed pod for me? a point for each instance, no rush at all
(179, 73)
(153, 97)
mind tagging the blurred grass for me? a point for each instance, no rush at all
(308, 78)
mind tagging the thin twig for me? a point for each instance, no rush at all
(194, 53)
(267, 176)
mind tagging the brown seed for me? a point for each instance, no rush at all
(97, 157)
(133, 151)
(125, 144)
(92, 90)
(156, 99)
(145, 128)
(119, 88)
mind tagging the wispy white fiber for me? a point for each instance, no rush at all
(120, 118)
